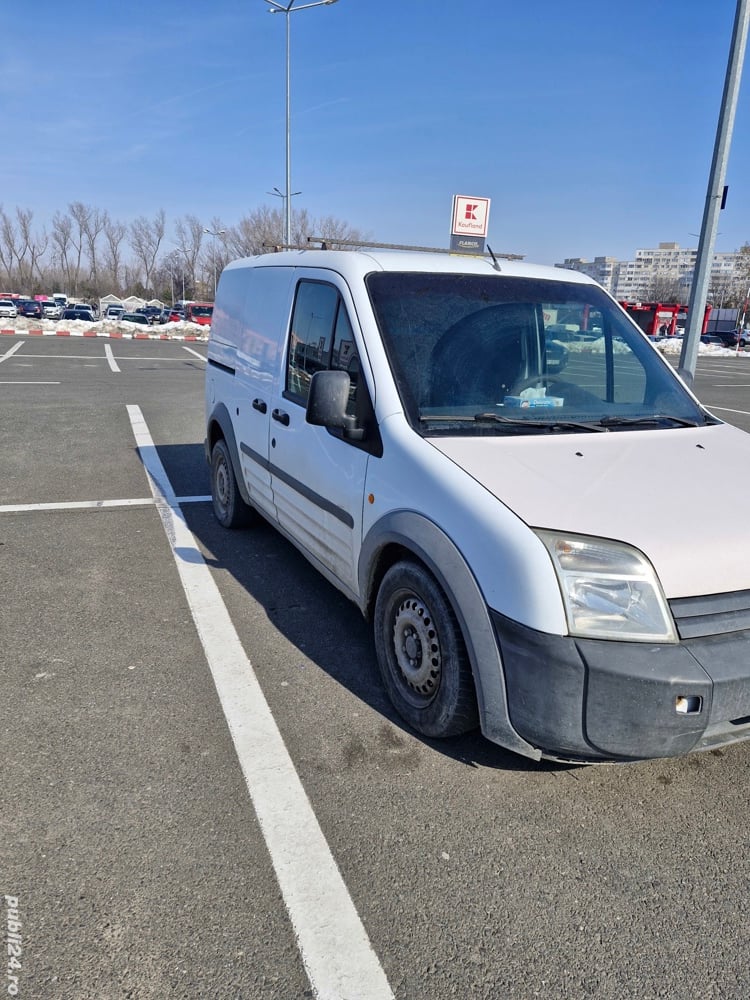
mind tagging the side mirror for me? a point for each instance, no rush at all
(327, 402)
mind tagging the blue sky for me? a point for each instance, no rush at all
(590, 125)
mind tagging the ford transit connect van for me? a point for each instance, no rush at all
(483, 491)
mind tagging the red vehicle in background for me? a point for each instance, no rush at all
(199, 312)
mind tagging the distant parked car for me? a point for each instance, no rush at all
(8, 308)
(114, 312)
(728, 338)
(85, 314)
(30, 308)
(136, 317)
(51, 309)
(175, 315)
(199, 312)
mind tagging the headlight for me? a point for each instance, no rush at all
(609, 589)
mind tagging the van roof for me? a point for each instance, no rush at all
(360, 262)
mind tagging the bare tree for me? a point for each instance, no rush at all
(742, 271)
(145, 238)
(263, 229)
(81, 216)
(95, 224)
(256, 232)
(114, 237)
(62, 247)
(8, 251)
(665, 286)
(189, 233)
(33, 247)
(328, 228)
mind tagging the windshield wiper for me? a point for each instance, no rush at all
(654, 420)
(547, 425)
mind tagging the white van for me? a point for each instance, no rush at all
(485, 493)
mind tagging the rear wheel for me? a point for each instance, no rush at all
(421, 653)
(230, 509)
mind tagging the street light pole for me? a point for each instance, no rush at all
(287, 9)
(715, 196)
(186, 252)
(217, 233)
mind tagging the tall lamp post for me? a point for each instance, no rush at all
(216, 234)
(716, 194)
(278, 194)
(186, 252)
(288, 9)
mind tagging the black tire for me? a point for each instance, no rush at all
(422, 655)
(230, 509)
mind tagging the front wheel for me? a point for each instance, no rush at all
(422, 655)
(230, 509)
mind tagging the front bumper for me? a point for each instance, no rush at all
(587, 699)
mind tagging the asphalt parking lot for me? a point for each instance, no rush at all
(207, 793)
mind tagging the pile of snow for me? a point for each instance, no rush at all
(673, 346)
(670, 346)
(105, 327)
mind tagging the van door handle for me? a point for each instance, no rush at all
(259, 404)
(283, 418)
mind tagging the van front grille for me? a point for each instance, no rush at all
(716, 614)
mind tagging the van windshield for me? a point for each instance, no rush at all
(476, 354)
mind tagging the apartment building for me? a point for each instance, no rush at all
(663, 273)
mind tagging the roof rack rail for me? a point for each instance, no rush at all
(326, 240)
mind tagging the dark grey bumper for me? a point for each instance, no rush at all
(608, 700)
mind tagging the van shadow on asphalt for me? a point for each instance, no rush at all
(297, 599)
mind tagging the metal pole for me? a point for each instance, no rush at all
(288, 198)
(277, 8)
(214, 234)
(714, 196)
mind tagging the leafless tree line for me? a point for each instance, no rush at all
(87, 254)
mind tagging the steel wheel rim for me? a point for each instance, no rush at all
(221, 484)
(416, 647)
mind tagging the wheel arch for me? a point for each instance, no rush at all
(220, 426)
(410, 535)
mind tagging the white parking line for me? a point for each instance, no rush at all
(196, 353)
(726, 409)
(335, 950)
(16, 347)
(25, 508)
(111, 358)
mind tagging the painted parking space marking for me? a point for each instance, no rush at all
(12, 351)
(726, 409)
(25, 508)
(111, 358)
(335, 949)
(196, 353)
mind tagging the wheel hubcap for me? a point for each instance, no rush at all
(416, 645)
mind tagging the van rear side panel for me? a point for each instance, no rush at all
(244, 353)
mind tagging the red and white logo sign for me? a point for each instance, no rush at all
(470, 215)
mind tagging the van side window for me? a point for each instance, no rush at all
(345, 357)
(321, 338)
(315, 308)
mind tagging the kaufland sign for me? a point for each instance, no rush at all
(470, 220)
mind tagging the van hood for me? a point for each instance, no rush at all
(680, 495)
